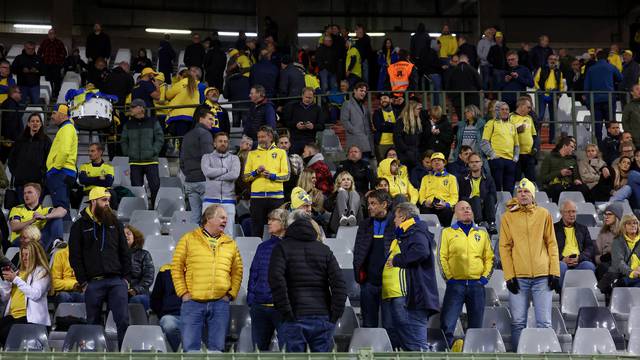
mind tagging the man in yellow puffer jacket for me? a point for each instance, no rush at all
(61, 162)
(206, 272)
(530, 260)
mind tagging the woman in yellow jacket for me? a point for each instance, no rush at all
(207, 273)
(183, 93)
(389, 169)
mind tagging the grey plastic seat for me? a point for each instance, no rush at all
(496, 282)
(241, 299)
(144, 216)
(498, 317)
(436, 340)
(181, 217)
(128, 205)
(558, 325)
(600, 317)
(623, 299)
(430, 219)
(171, 193)
(503, 196)
(573, 299)
(553, 210)
(490, 297)
(85, 338)
(593, 232)
(137, 316)
(161, 257)
(238, 318)
(78, 310)
(345, 327)
(138, 191)
(538, 341)
(347, 234)
(338, 247)
(587, 219)
(148, 228)
(159, 242)
(11, 252)
(634, 320)
(144, 338)
(170, 181)
(245, 340)
(633, 348)
(163, 167)
(583, 279)
(593, 341)
(27, 337)
(376, 339)
(353, 288)
(178, 230)
(575, 196)
(344, 259)
(542, 197)
(483, 341)
(434, 323)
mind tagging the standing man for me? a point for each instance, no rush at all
(267, 169)
(142, 140)
(484, 45)
(466, 261)
(602, 77)
(6, 80)
(500, 145)
(515, 81)
(100, 258)
(28, 67)
(221, 169)
(53, 53)
(194, 53)
(206, 272)
(527, 229)
(355, 118)
(384, 122)
(630, 74)
(11, 127)
(303, 119)
(196, 143)
(409, 286)
(576, 250)
(631, 117)
(541, 52)
(262, 112)
(61, 162)
(549, 78)
(373, 241)
(527, 135)
(98, 44)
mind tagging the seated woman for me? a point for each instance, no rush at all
(26, 290)
(625, 253)
(307, 181)
(393, 154)
(390, 169)
(595, 174)
(609, 231)
(344, 203)
(142, 269)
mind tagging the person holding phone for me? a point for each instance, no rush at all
(575, 247)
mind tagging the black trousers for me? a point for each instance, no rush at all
(260, 209)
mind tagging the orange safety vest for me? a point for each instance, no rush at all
(399, 73)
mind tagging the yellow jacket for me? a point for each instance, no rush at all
(615, 60)
(62, 276)
(398, 184)
(276, 162)
(64, 151)
(443, 186)
(178, 95)
(204, 273)
(357, 65)
(448, 45)
(465, 257)
(528, 246)
(163, 100)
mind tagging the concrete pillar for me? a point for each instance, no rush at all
(488, 14)
(285, 14)
(62, 20)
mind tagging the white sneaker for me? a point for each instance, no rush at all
(351, 220)
(344, 221)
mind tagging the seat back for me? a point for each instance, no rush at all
(139, 216)
(347, 234)
(144, 338)
(597, 317)
(128, 205)
(85, 338)
(538, 341)
(634, 343)
(580, 279)
(27, 337)
(373, 338)
(496, 282)
(347, 323)
(497, 317)
(634, 319)
(436, 340)
(77, 310)
(574, 298)
(238, 318)
(353, 288)
(575, 196)
(483, 341)
(593, 341)
(623, 299)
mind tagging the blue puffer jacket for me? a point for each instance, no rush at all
(258, 291)
(602, 76)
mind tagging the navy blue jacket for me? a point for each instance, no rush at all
(265, 73)
(258, 290)
(164, 300)
(237, 88)
(362, 247)
(516, 85)
(602, 76)
(457, 168)
(416, 175)
(417, 257)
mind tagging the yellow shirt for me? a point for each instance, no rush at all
(635, 261)
(502, 136)
(448, 45)
(95, 172)
(550, 83)
(570, 242)
(615, 60)
(22, 213)
(394, 279)
(18, 306)
(357, 66)
(525, 138)
(244, 64)
(387, 138)
(475, 187)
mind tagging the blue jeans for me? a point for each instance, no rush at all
(114, 291)
(315, 331)
(58, 185)
(328, 80)
(69, 297)
(583, 265)
(195, 315)
(264, 321)
(459, 293)
(370, 301)
(140, 299)
(410, 325)
(628, 282)
(32, 93)
(485, 74)
(504, 173)
(436, 85)
(601, 116)
(170, 325)
(536, 289)
(194, 191)
(630, 191)
(543, 102)
(387, 322)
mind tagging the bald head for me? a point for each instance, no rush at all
(463, 212)
(568, 211)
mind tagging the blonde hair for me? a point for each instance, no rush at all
(594, 146)
(475, 112)
(613, 228)
(436, 112)
(31, 232)
(37, 258)
(620, 179)
(340, 177)
(304, 181)
(625, 219)
(411, 120)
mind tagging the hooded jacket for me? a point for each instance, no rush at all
(195, 144)
(398, 184)
(324, 180)
(305, 277)
(528, 246)
(221, 171)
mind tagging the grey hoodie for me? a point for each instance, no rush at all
(221, 171)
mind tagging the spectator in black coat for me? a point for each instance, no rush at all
(75, 63)
(524, 59)
(431, 66)
(28, 157)
(265, 73)
(327, 60)
(166, 305)
(630, 73)
(11, 124)
(98, 73)
(460, 166)
(483, 203)
(408, 134)
(611, 143)
(166, 58)
(361, 171)
(291, 80)
(214, 63)
(307, 286)
(119, 83)
(575, 79)
(141, 61)
(464, 78)
(438, 134)
(419, 40)
(578, 254)
(194, 53)
(540, 53)
(464, 48)
(98, 44)
(303, 119)
(236, 87)
(28, 67)
(497, 57)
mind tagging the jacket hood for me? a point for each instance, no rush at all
(384, 169)
(514, 206)
(315, 158)
(301, 230)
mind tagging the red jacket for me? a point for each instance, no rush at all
(52, 51)
(324, 179)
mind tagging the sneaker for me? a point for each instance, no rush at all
(344, 221)
(351, 220)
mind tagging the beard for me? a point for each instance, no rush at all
(105, 215)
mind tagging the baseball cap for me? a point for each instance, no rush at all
(137, 102)
(98, 192)
(147, 71)
(61, 108)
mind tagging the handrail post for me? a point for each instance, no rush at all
(573, 114)
(593, 117)
(553, 109)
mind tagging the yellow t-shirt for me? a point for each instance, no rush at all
(244, 63)
(631, 243)
(357, 66)
(502, 136)
(475, 187)
(23, 214)
(570, 243)
(93, 171)
(394, 280)
(18, 306)
(525, 138)
(213, 241)
(387, 138)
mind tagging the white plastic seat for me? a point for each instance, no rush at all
(144, 338)
(575, 196)
(483, 341)
(633, 347)
(128, 205)
(573, 299)
(623, 299)
(497, 283)
(583, 279)
(498, 317)
(634, 320)
(138, 216)
(148, 228)
(593, 341)
(430, 219)
(123, 55)
(337, 247)
(174, 195)
(347, 234)
(159, 242)
(376, 339)
(538, 341)
(181, 217)
(178, 230)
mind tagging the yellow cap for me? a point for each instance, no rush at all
(499, 34)
(147, 71)
(299, 197)
(206, 91)
(160, 76)
(628, 52)
(438, 155)
(591, 51)
(98, 192)
(527, 184)
(61, 108)
(233, 52)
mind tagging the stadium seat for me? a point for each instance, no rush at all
(138, 191)
(633, 347)
(168, 182)
(160, 257)
(137, 316)
(587, 219)
(27, 337)
(238, 318)
(583, 279)
(623, 299)
(573, 299)
(497, 283)
(375, 339)
(144, 338)
(12, 252)
(498, 317)
(85, 338)
(122, 55)
(538, 341)
(138, 216)
(483, 341)
(345, 260)
(490, 297)
(600, 317)
(78, 310)
(183, 217)
(353, 288)
(167, 207)
(247, 245)
(436, 340)
(430, 219)
(173, 194)
(345, 326)
(503, 196)
(179, 229)
(553, 210)
(128, 205)
(338, 247)
(575, 196)
(159, 242)
(593, 232)
(241, 299)
(330, 142)
(148, 228)
(558, 325)
(347, 234)
(245, 341)
(163, 167)
(437, 234)
(595, 341)
(634, 319)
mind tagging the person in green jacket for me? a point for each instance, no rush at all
(142, 140)
(559, 170)
(631, 115)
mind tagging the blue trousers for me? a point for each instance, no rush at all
(69, 297)
(315, 331)
(544, 102)
(141, 299)
(58, 185)
(195, 315)
(370, 302)
(30, 93)
(114, 291)
(264, 321)
(538, 291)
(410, 325)
(456, 295)
(170, 325)
(504, 173)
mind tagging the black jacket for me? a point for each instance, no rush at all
(119, 83)
(471, 52)
(430, 62)
(291, 81)
(166, 57)
(497, 57)
(362, 173)
(266, 74)
(296, 112)
(214, 64)
(463, 77)
(11, 120)
(164, 300)
(487, 188)
(194, 55)
(327, 59)
(28, 159)
(585, 244)
(142, 271)
(237, 88)
(304, 276)
(363, 246)
(440, 142)
(630, 74)
(30, 62)
(408, 146)
(98, 250)
(197, 142)
(98, 45)
(609, 149)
